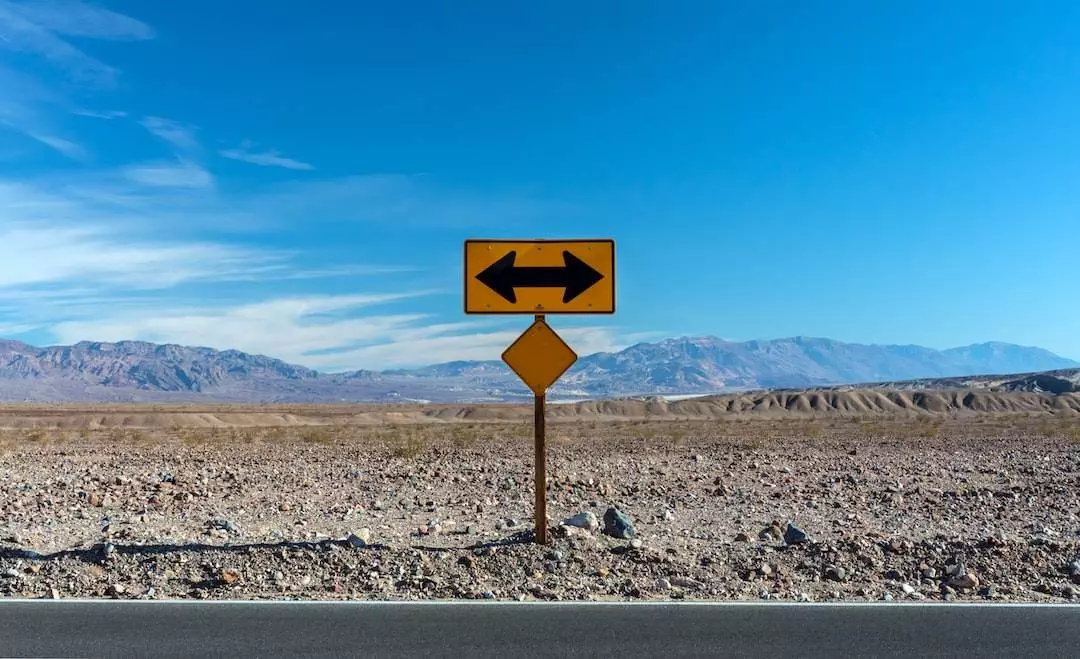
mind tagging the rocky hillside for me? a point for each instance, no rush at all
(140, 371)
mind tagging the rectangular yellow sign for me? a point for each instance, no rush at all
(540, 276)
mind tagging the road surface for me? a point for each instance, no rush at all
(468, 630)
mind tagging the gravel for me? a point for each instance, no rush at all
(986, 515)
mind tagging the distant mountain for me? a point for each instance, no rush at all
(706, 364)
(141, 371)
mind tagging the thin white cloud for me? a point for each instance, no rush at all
(79, 19)
(298, 331)
(40, 28)
(178, 174)
(18, 102)
(94, 114)
(33, 253)
(287, 328)
(66, 147)
(271, 158)
(180, 136)
(36, 28)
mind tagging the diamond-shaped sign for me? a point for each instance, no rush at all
(539, 357)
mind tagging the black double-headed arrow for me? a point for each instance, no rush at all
(575, 277)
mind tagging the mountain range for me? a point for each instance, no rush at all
(141, 371)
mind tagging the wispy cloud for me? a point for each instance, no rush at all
(246, 153)
(107, 114)
(178, 174)
(309, 331)
(79, 19)
(41, 29)
(180, 136)
(38, 28)
(289, 328)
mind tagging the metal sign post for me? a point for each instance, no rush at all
(552, 276)
(540, 525)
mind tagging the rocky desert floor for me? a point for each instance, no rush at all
(126, 504)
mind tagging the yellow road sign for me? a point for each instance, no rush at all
(540, 276)
(539, 356)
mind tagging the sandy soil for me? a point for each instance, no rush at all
(932, 508)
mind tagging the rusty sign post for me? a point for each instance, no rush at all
(539, 277)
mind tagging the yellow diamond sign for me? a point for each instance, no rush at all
(539, 357)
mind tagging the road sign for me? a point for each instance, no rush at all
(540, 276)
(539, 356)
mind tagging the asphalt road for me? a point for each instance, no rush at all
(489, 629)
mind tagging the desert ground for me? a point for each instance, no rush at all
(387, 502)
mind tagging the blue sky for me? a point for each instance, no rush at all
(297, 179)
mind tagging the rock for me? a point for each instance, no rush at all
(361, 538)
(54, 593)
(686, 582)
(511, 523)
(907, 588)
(12, 573)
(467, 560)
(230, 576)
(765, 570)
(489, 595)
(584, 520)
(742, 537)
(636, 543)
(793, 535)
(500, 525)
(965, 581)
(117, 589)
(224, 525)
(95, 499)
(771, 533)
(306, 580)
(617, 524)
(663, 584)
(669, 515)
(835, 573)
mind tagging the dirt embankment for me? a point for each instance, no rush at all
(764, 405)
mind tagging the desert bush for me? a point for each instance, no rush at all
(413, 445)
(463, 438)
(317, 435)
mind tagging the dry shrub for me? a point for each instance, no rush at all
(463, 438)
(409, 444)
(317, 435)
(34, 435)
